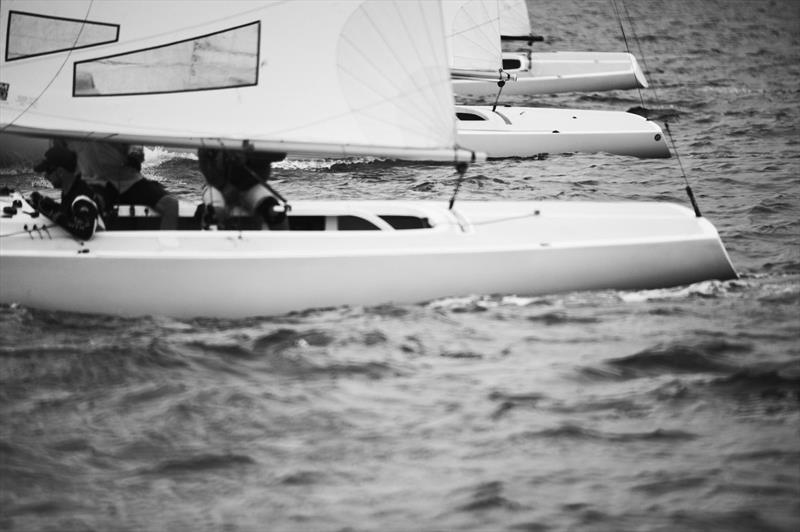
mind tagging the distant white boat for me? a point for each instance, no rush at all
(208, 76)
(556, 72)
(528, 132)
(515, 23)
(473, 30)
(552, 72)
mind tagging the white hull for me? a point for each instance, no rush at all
(556, 72)
(524, 248)
(528, 131)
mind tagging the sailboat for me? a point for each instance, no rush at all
(515, 23)
(218, 74)
(474, 49)
(553, 72)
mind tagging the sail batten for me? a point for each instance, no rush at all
(283, 73)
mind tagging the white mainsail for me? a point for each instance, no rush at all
(277, 75)
(472, 28)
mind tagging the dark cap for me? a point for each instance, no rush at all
(55, 157)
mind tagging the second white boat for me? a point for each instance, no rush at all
(529, 131)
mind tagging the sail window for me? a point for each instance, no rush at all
(31, 35)
(221, 60)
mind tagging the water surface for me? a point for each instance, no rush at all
(673, 409)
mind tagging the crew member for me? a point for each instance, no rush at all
(236, 179)
(81, 206)
(117, 168)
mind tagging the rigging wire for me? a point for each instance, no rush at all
(461, 168)
(641, 52)
(658, 103)
(533, 214)
(625, 38)
(500, 83)
(683, 172)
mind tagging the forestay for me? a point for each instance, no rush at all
(280, 76)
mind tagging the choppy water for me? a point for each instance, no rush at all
(673, 409)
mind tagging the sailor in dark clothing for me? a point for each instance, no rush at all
(115, 169)
(80, 209)
(237, 179)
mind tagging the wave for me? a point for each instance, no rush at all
(201, 463)
(302, 478)
(151, 392)
(705, 289)
(313, 353)
(562, 318)
(577, 432)
(283, 339)
(483, 303)
(512, 401)
(776, 383)
(753, 489)
(671, 483)
(50, 507)
(333, 165)
(710, 356)
(157, 155)
(485, 496)
(771, 454)
(629, 408)
(733, 521)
